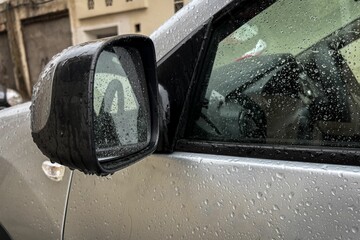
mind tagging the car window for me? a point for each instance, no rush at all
(351, 54)
(287, 76)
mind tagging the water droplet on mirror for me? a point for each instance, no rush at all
(259, 195)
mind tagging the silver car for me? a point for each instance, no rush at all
(9, 97)
(237, 119)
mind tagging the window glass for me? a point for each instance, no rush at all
(351, 54)
(119, 119)
(289, 75)
(115, 72)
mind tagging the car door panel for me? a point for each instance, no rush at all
(187, 195)
(31, 205)
(202, 196)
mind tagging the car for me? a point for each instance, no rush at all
(234, 120)
(9, 97)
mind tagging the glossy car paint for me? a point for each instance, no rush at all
(169, 36)
(31, 205)
(199, 196)
(181, 195)
(203, 196)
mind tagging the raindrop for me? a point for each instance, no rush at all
(280, 175)
(291, 195)
(351, 208)
(276, 207)
(333, 192)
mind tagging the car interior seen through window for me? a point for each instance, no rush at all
(293, 82)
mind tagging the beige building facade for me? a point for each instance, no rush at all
(95, 19)
(32, 31)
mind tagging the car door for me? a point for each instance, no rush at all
(32, 205)
(260, 139)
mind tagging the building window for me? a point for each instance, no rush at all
(108, 3)
(137, 27)
(128, 0)
(178, 4)
(91, 4)
(101, 33)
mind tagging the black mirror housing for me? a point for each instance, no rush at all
(65, 112)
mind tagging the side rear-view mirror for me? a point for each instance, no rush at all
(94, 107)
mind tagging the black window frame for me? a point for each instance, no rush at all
(302, 153)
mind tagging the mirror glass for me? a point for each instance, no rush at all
(121, 116)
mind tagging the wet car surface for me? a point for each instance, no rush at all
(258, 136)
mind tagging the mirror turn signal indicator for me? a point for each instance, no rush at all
(53, 171)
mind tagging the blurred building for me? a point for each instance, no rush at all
(94, 19)
(32, 31)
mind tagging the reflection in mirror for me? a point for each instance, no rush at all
(120, 121)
